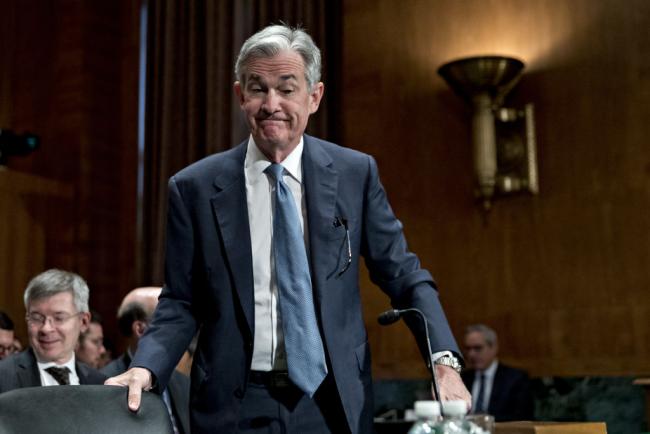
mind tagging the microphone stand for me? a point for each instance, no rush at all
(393, 315)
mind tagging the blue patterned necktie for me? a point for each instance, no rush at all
(302, 341)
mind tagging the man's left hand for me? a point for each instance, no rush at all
(451, 385)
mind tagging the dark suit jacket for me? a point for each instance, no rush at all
(178, 387)
(209, 279)
(511, 397)
(21, 370)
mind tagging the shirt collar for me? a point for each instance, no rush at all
(256, 162)
(70, 364)
(492, 369)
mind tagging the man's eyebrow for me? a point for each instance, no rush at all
(288, 77)
(255, 78)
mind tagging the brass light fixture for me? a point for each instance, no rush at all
(503, 139)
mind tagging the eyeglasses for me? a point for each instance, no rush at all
(344, 222)
(36, 319)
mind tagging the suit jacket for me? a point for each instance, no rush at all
(511, 397)
(178, 387)
(209, 279)
(21, 370)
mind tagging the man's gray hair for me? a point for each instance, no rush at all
(273, 40)
(54, 281)
(489, 334)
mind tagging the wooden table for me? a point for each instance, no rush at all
(550, 428)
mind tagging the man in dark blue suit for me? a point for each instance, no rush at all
(497, 389)
(223, 276)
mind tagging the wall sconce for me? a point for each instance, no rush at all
(504, 148)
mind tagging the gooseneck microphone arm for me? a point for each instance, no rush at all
(392, 316)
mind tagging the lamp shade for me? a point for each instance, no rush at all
(472, 76)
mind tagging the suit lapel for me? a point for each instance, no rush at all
(27, 372)
(82, 373)
(321, 187)
(231, 213)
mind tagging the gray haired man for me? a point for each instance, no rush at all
(56, 303)
(263, 249)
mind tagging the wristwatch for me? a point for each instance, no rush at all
(450, 361)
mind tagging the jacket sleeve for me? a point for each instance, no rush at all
(174, 323)
(397, 271)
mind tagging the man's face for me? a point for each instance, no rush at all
(478, 353)
(277, 101)
(6, 342)
(54, 325)
(91, 346)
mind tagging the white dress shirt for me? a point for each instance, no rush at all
(268, 344)
(487, 387)
(48, 380)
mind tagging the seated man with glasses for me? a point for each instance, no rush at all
(56, 302)
(498, 389)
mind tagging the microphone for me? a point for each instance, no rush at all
(393, 315)
(390, 316)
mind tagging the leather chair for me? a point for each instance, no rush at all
(80, 409)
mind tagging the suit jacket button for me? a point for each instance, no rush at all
(239, 393)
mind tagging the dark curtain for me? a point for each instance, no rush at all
(191, 110)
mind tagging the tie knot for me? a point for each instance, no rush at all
(275, 170)
(61, 375)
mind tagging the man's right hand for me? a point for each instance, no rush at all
(137, 380)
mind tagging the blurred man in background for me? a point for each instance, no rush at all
(91, 343)
(133, 317)
(18, 346)
(497, 389)
(6, 335)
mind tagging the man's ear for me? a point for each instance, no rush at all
(138, 327)
(85, 321)
(239, 92)
(315, 96)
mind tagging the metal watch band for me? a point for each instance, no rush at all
(450, 361)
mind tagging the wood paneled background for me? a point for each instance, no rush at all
(563, 277)
(68, 73)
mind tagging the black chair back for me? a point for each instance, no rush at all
(80, 409)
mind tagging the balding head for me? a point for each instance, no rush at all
(137, 309)
(146, 297)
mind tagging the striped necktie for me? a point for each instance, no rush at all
(61, 375)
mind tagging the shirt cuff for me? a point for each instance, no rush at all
(438, 354)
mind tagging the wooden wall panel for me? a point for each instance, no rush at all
(68, 72)
(32, 209)
(562, 276)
